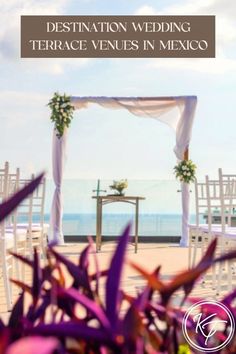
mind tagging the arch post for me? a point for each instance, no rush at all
(185, 208)
(186, 155)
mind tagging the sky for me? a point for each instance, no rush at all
(114, 144)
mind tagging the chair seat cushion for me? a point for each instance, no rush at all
(216, 229)
(9, 239)
(21, 234)
(229, 232)
(204, 227)
(36, 227)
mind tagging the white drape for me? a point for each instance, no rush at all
(177, 112)
(58, 162)
(185, 214)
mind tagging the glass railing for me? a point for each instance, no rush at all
(159, 213)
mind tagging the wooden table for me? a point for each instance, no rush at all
(108, 199)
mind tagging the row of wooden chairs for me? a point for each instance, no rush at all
(215, 200)
(23, 230)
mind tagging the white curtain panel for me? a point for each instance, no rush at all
(185, 214)
(58, 163)
(177, 112)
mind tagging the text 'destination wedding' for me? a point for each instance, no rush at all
(117, 36)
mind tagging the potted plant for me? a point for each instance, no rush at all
(119, 186)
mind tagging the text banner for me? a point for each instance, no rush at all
(117, 36)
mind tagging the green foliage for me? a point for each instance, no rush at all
(61, 112)
(119, 186)
(185, 171)
(184, 349)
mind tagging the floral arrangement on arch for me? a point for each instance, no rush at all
(185, 171)
(61, 112)
(119, 186)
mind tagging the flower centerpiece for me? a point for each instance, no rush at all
(119, 186)
(185, 171)
(61, 112)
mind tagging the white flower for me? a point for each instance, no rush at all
(189, 174)
(184, 173)
(183, 168)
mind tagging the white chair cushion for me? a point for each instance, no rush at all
(21, 234)
(9, 240)
(24, 226)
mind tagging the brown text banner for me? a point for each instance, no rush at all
(117, 36)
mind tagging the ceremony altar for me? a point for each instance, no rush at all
(175, 111)
(108, 199)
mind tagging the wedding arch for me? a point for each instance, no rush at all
(177, 112)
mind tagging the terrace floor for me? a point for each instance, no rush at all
(172, 259)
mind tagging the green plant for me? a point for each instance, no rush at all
(119, 186)
(185, 171)
(61, 112)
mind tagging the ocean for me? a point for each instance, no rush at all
(112, 224)
(159, 213)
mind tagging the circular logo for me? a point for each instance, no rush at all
(208, 331)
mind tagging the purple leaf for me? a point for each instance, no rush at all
(17, 313)
(90, 305)
(98, 273)
(102, 273)
(104, 350)
(226, 257)
(142, 299)
(2, 326)
(187, 279)
(132, 326)
(23, 286)
(39, 312)
(83, 260)
(9, 205)
(37, 278)
(228, 299)
(214, 308)
(183, 280)
(22, 259)
(76, 272)
(71, 330)
(114, 277)
(35, 344)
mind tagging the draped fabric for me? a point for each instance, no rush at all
(177, 112)
(185, 214)
(58, 162)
